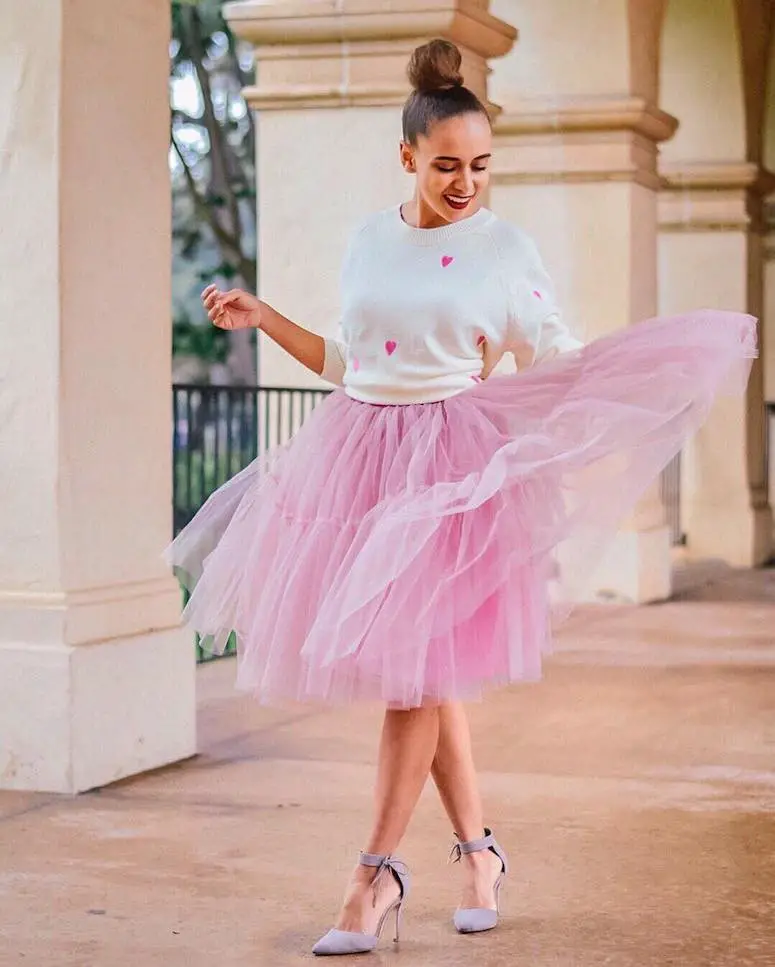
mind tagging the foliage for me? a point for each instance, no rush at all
(212, 151)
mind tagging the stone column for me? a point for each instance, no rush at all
(711, 254)
(96, 679)
(329, 89)
(576, 165)
(711, 248)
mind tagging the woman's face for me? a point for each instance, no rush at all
(452, 165)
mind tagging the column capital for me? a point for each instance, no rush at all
(572, 115)
(340, 53)
(713, 195)
(576, 139)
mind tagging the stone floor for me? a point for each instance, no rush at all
(634, 790)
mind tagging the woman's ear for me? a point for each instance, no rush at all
(407, 157)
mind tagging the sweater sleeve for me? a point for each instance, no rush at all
(537, 331)
(334, 361)
(335, 358)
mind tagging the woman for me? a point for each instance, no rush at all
(412, 541)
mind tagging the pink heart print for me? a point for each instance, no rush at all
(447, 260)
(390, 347)
(356, 364)
(537, 294)
(480, 341)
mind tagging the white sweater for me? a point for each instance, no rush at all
(426, 311)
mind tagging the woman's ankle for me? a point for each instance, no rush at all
(470, 833)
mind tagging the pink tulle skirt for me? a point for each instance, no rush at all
(415, 554)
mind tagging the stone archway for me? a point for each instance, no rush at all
(710, 250)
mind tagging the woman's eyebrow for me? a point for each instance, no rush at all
(446, 157)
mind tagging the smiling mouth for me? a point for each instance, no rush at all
(458, 202)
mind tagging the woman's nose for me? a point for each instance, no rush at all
(466, 183)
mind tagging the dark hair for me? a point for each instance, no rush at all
(438, 90)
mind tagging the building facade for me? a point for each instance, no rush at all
(634, 140)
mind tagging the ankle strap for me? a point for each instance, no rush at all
(477, 845)
(383, 862)
(372, 859)
(398, 869)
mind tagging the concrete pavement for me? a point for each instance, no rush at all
(634, 790)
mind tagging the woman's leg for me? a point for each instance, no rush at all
(407, 747)
(454, 773)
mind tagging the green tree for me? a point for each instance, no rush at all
(213, 178)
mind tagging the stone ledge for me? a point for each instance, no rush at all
(87, 615)
(717, 175)
(573, 115)
(712, 196)
(303, 97)
(343, 21)
(313, 54)
(581, 140)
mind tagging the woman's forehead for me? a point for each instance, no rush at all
(465, 137)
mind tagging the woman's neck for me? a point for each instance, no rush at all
(417, 214)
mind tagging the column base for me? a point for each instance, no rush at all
(74, 718)
(636, 570)
(739, 536)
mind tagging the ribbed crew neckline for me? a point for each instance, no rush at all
(444, 233)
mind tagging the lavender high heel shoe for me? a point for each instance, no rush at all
(339, 942)
(476, 920)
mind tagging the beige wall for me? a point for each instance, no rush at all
(543, 61)
(701, 80)
(96, 679)
(84, 197)
(318, 196)
(579, 228)
(29, 250)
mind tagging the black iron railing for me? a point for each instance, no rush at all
(670, 489)
(218, 431)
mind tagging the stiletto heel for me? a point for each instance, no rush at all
(478, 919)
(399, 911)
(340, 942)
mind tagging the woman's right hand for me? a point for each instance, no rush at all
(234, 309)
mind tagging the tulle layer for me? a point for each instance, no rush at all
(416, 554)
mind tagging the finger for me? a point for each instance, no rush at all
(232, 295)
(208, 291)
(211, 299)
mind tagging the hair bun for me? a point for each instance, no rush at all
(435, 67)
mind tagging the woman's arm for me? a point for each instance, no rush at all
(238, 309)
(305, 346)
